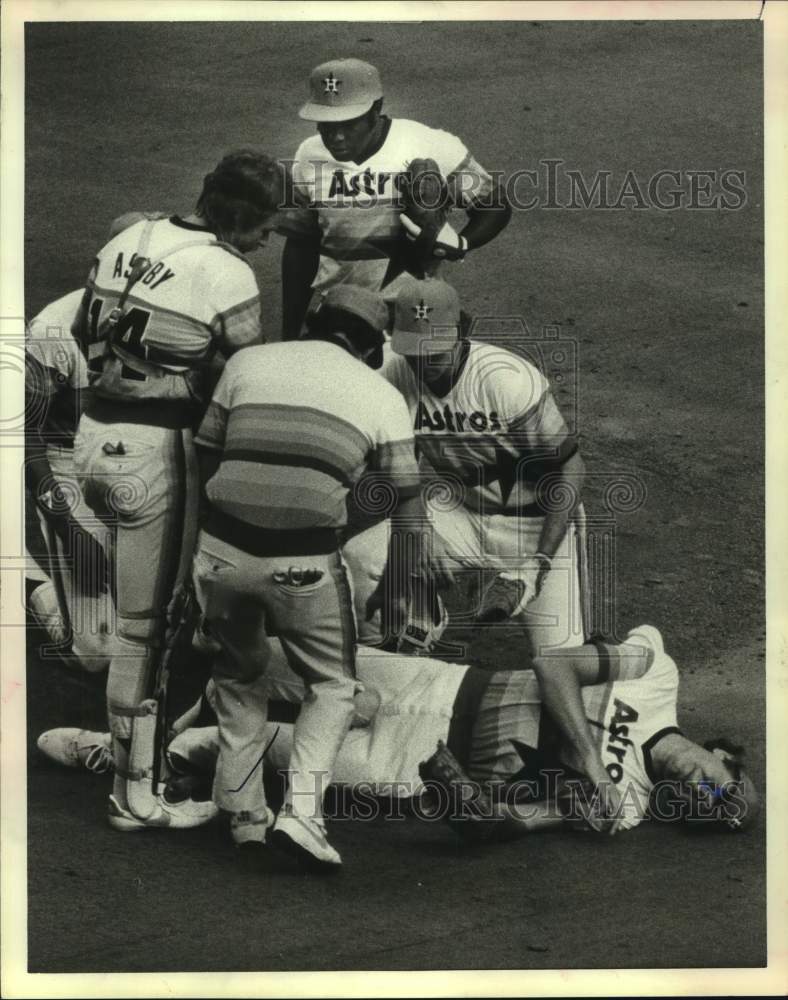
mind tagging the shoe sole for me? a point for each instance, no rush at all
(285, 843)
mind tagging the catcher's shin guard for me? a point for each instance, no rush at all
(141, 774)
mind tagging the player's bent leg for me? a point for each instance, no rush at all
(228, 586)
(365, 556)
(317, 631)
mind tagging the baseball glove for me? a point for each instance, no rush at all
(467, 809)
(425, 211)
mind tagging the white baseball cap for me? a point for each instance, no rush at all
(341, 90)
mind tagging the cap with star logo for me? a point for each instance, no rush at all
(341, 90)
(426, 318)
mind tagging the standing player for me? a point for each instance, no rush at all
(73, 605)
(508, 470)
(163, 298)
(347, 180)
(291, 429)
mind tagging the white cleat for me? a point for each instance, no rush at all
(304, 839)
(183, 815)
(648, 636)
(73, 747)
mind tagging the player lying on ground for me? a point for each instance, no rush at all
(604, 712)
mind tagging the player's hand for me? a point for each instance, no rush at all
(532, 576)
(448, 245)
(435, 571)
(607, 817)
(603, 813)
(393, 608)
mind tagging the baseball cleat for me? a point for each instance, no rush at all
(73, 747)
(249, 828)
(183, 815)
(500, 600)
(304, 839)
(648, 636)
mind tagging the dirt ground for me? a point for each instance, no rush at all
(664, 313)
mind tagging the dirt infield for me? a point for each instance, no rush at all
(663, 312)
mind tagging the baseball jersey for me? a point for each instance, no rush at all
(490, 430)
(420, 701)
(55, 370)
(354, 208)
(297, 425)
(196, 298)
(628, 718)
(418, 696)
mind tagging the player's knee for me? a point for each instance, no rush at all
(140, 631)
(245, 666)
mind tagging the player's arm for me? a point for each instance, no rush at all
(569, 476)
(561, 677)
(211, 435)
(232, 287)
(546, 454)
(300, 260)
(531, 817)
(487, 216)
(394, 459)
(299, 225)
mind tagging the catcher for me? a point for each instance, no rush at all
(372, 194)
(587, 737)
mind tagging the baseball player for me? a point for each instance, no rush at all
(506, 471)
(292, 428)
(164, 299)
(510, 735)
(347, 178)
(73, 604)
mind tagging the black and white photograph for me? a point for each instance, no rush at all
(384, 474)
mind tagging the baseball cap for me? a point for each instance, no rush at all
(426, 313)
(341, 90)
(361, 302)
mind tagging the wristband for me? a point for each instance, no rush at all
(545, 558)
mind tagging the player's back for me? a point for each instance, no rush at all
(194, 298)
(298, 424)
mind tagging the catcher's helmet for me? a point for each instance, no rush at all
(341, 90)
